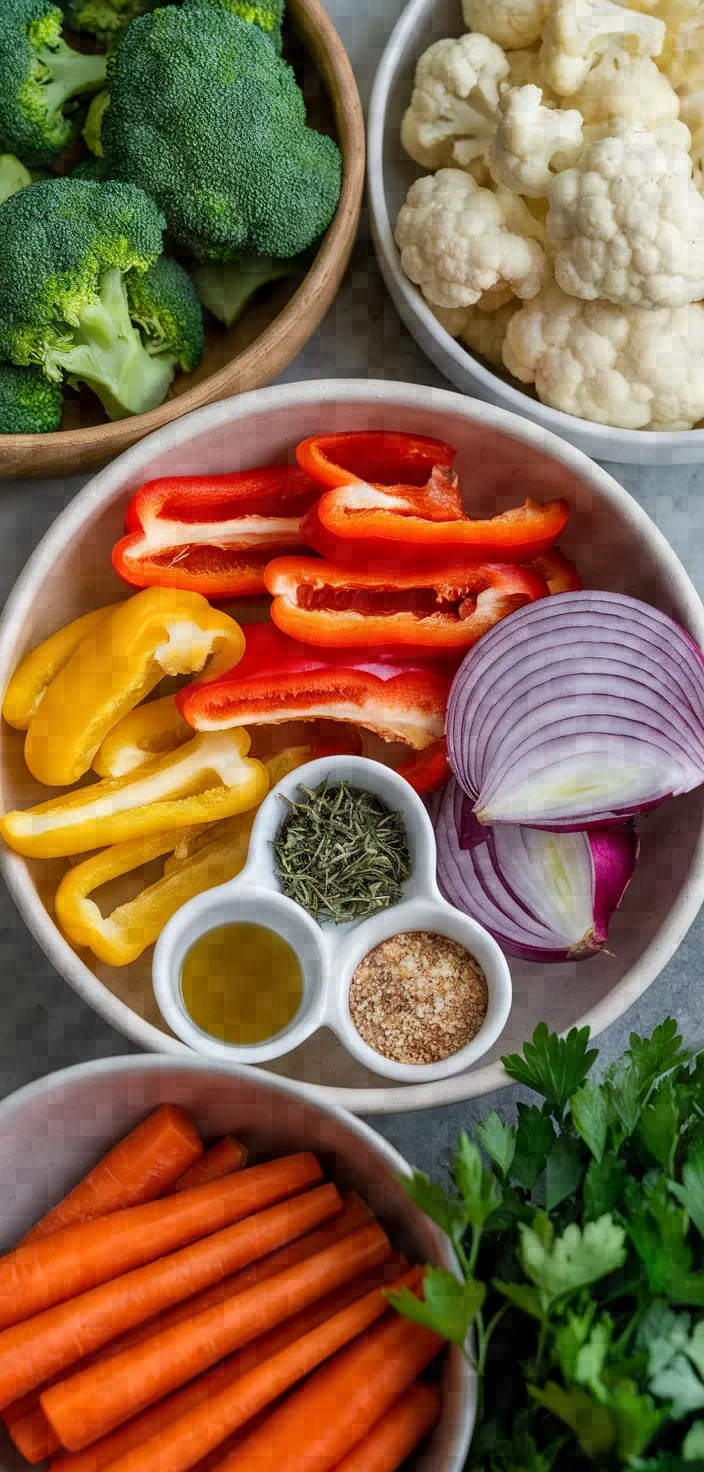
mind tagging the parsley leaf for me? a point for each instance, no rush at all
(553, 1066)
(573, 1260)
(563, 1171)
(479, 1189)
(659, 1123)
(434, 1200)
(589, 1108)
(603, 1186)
(449, 1307)
(691, 1191)
(499, 1142)
(629, 1081)
(693, 1444)
(534, 1140)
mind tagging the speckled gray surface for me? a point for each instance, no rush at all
(43, 1025)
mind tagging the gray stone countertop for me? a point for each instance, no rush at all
(43, 1025)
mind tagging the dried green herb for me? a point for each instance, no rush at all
(341, 853)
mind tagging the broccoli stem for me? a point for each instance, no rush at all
(13, 176)
(69, 73)
(105, 351)
(226, 287)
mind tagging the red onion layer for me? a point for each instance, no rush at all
(543, 896)
(579, 709)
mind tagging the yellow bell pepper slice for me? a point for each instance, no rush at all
(148, 731)
(206, 779)
(201, 857)
(160, 631)
(34, 675)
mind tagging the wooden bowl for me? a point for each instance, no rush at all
(273, 329)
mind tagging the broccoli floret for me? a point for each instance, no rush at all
(226, 287)
(13, 176)
(105, 18)
(163, 302)
(208, 118)
(67, 251)
(94, 122)
(39, 74)
(90, 169)
(29, 402)
(267, 14)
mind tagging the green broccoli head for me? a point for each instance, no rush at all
(105, 18)
(164, 304)
(267, 14)
(39, 74)
(29, 402)
(68, 250)
(13, 176)
(208, 118)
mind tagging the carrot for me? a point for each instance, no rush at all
(397, 1434)
(156, 1418)
(179, 1445)
(138, 1169)
(77, 1258)
(220, 1160)
(325, 1418)
(90, 1404)
(32, 1352)
(33, 1436)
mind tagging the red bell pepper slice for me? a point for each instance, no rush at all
(559, 573)
(430, 611)
(213, 534)
(428, 770)
(388, 524)
(278, 679)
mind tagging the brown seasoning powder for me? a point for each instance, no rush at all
(418, 997)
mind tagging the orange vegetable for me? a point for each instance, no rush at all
(140, 1168)
(325, 1418)
(220, 1160)
(33, 1436)
(53, 1341)
(178, 1446)
(205, 1388)
(44, 1273)
(397, 1434)
(93, 1402)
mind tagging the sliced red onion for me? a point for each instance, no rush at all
(543, 896)
(575, 710)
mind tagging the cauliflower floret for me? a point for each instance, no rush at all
(512, 23)
(626, 366)
(683, 52)
(526, 70)
(668, 132)
(578, 32)
(485, 332)
(692, 105)
(628, 223)
(528, 138)
(455, 96)
(627, 87)
(458, 241)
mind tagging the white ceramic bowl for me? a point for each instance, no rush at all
(390, 174)
(501, 459)
(330, 954)
(53, 1131)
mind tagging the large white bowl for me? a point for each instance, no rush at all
(53, 1131)
(390, 175)
(501, 459)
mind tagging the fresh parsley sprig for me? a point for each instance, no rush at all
(579, 1239)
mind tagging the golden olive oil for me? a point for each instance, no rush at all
(241, 983)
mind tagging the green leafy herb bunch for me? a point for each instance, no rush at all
(579, 1237)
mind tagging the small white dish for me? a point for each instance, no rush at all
(330, 954)
(390, 173)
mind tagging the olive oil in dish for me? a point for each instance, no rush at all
(241, 983)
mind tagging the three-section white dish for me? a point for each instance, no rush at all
(330, 954)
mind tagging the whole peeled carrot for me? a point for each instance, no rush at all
(77, 1258)
(90, 1404)
(397, 1434)
(33, 1436)
(139, 1169)
(42, 1347)
(203, 1426)
(325, 1418)
(222, 1159)
(206, 1387)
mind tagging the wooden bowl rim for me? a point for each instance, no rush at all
(308, 304)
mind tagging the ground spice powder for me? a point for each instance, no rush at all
(418, 997)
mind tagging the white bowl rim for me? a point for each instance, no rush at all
(69, 523)
(644, 446)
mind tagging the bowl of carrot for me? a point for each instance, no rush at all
(196, 1269)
